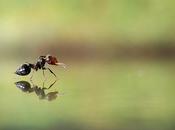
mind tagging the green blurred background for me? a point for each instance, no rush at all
(120, 57)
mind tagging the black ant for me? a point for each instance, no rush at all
(40, 92)
(25, 68)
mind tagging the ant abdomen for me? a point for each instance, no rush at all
(24, 69)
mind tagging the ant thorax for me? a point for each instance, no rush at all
(40, 63)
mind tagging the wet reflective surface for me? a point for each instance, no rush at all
(125, 96)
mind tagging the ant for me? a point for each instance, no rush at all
(40, 92)
(25, 68)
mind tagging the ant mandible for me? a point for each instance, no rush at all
(25, 68)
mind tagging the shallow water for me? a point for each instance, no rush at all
(92, 96)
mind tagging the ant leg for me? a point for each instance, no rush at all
(43, 73)
(32, 75)
(50, 71)
(43, 83)
(52, 84)
(43, 88)
(49, 86)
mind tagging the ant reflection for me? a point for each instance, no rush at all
(40, 91)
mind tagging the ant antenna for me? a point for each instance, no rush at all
(62, 65)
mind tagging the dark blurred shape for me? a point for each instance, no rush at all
(25, 86)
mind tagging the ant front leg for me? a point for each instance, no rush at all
(49, 70)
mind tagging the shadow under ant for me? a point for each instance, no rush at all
(26, 87)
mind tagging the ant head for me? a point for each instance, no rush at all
(51, 60)
(24, 69)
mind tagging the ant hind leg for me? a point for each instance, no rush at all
(50, 71)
